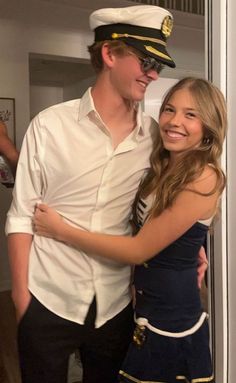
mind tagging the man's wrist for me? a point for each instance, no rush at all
(18, 294)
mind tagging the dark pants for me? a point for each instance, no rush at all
(46, 341)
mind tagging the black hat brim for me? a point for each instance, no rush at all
(149, 41)
(156, 51)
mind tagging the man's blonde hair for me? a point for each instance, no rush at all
(117, 47)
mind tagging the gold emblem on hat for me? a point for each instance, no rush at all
(166, 26)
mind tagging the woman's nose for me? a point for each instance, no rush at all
(176, 119)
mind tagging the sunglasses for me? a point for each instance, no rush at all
(149, 63)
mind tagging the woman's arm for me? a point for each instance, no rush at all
(154, 236)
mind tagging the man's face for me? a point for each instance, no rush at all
(129, 76)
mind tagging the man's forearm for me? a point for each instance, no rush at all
(19, 249)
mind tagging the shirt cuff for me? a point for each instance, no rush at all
(19, 225)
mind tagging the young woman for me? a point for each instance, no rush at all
(173, 210)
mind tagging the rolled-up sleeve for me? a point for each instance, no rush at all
(28, 184)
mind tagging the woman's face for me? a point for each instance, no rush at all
(180, 126)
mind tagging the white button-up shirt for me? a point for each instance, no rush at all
(68, 162)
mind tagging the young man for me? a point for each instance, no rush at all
(85, 158)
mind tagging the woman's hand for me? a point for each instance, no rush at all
(47, 222)
(202, 266)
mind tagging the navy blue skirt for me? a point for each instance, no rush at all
(163, 359)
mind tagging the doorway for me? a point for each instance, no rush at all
(55, 79)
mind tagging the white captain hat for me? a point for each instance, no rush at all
(144, 27)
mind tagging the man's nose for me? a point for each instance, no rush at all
(153, 75)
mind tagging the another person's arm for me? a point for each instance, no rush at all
(154, 236)
(8, 149)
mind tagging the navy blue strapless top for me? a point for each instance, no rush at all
(167, 293)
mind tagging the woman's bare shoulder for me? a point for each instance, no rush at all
(206, 182)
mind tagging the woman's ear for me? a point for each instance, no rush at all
(107, 55)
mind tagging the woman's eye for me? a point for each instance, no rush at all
(168, 109)
(190, 115)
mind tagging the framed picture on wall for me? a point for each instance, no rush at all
(7, 115)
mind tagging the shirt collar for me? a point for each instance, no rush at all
(139, 130)
(87, 106)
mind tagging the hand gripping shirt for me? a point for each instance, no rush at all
(68, 162)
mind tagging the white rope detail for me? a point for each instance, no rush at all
(144, 322)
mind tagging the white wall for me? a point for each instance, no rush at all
(186, 46)
(54, 28)
(77, 89)
(154, 95)
(41, 97)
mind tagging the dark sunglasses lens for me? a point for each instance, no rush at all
(146, 65)
(150, 63)
(159, 67)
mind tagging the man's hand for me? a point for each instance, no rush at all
(202, 266)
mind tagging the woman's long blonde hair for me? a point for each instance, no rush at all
(167, 182)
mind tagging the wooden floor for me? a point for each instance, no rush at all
(9, 367)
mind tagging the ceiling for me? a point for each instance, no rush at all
(190, 6)
(92, 4)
